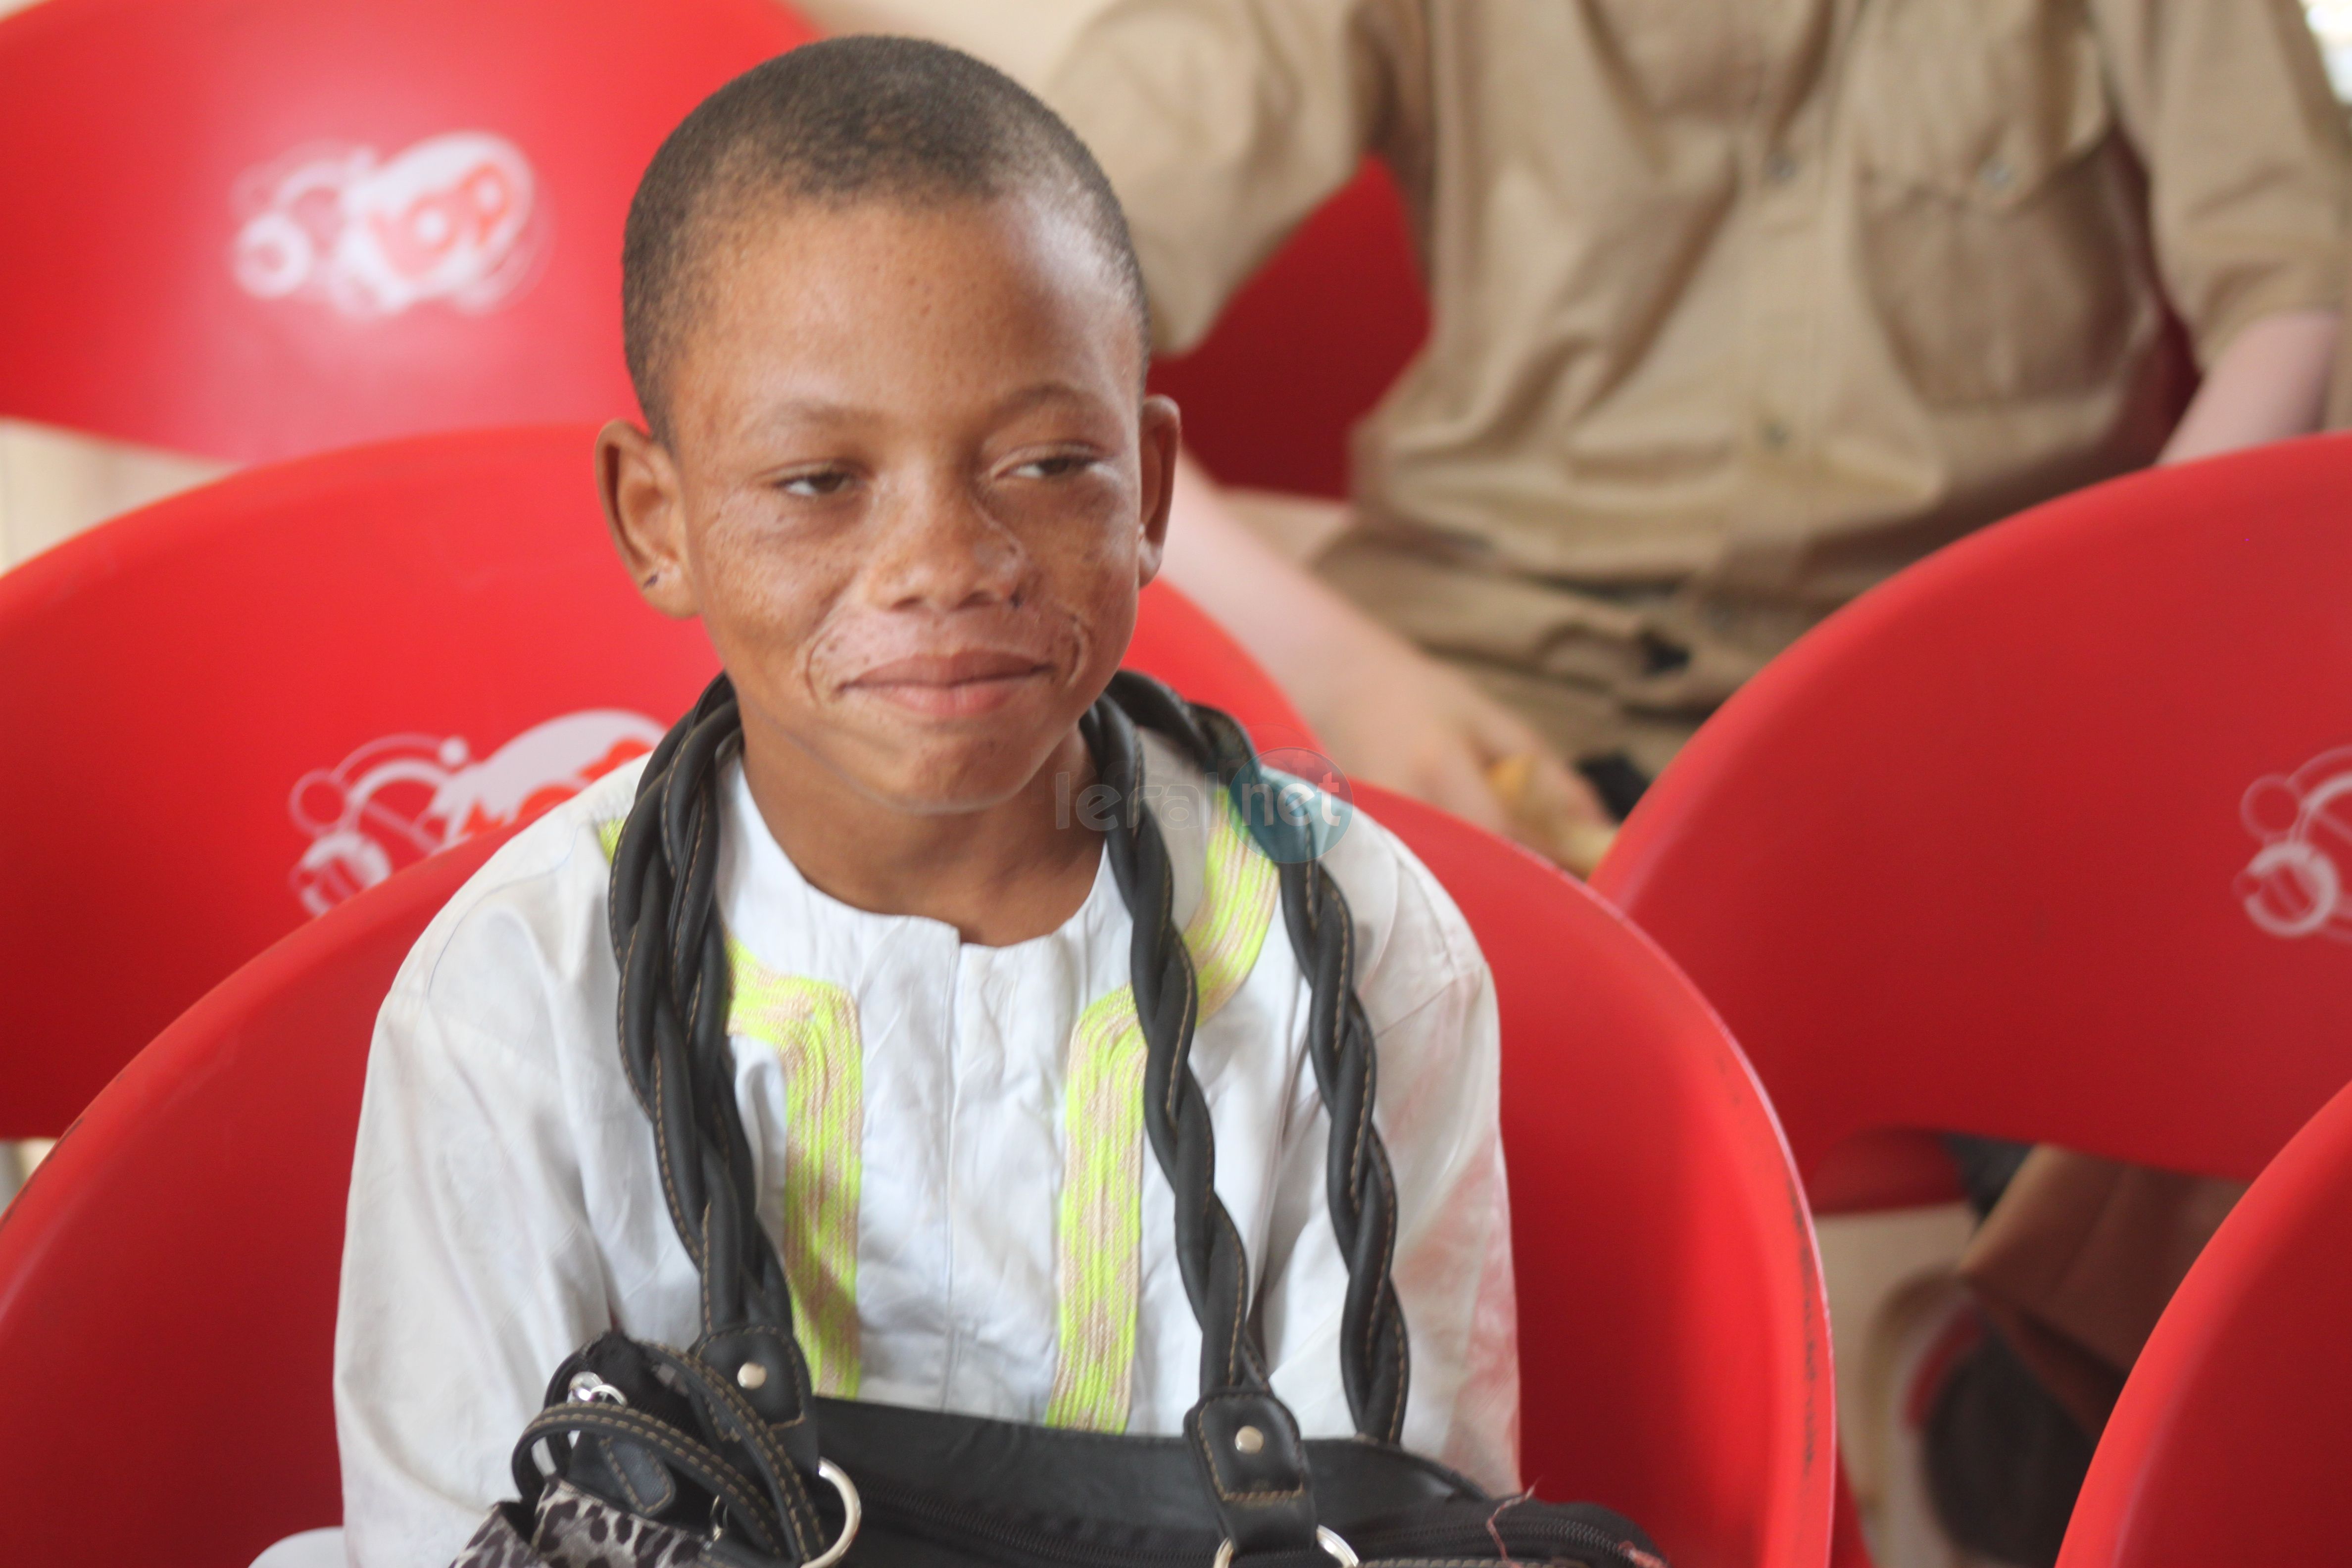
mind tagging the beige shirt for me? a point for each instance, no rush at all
(1770, 296)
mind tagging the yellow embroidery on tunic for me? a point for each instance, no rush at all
(1098, 1266)
(811, 1026)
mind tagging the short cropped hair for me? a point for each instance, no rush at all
(844, 120)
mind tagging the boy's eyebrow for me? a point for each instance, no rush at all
(1046, 392)
(825, 410)
(814, 408)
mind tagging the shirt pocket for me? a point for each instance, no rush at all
(2000, 217)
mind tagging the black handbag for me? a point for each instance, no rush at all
(647, 1457)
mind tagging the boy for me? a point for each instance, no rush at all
(887, 329)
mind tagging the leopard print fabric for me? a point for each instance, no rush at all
(495, 1545)
(576, 1530)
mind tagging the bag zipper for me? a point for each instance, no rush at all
(950, 1523)
(1600, 1547)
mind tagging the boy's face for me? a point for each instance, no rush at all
(912, 488)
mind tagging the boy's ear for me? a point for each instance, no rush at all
(1162, 433)
(644, 510)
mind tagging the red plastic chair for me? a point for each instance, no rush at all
(1673, 1351)
(2050, 838)
(1307, 347)
(241, 705)
(2228, 1443)
(255, 228)
(210, 1174)
(2039, 840)
(1671, 1320)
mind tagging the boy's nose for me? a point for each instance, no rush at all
(942, 551)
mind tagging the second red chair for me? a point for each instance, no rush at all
(2050, 838)
(2047, 839)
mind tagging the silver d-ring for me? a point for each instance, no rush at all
(852, 1511)
(1337, 1550)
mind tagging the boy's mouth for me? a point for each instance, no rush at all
(953, 685)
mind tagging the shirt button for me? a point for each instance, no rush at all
(1779, 168)
(1776, 434)
(1996, 174)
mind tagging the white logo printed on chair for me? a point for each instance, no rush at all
(2299, 882)
(396, 800)
(456, 217)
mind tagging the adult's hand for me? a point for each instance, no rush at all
(1394, 716)
(1390, 714)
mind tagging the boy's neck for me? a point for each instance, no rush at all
(1005, 874)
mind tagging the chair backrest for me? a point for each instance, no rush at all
(255, 228)
(1674, 1353)
(2049, 837)
(1307, 347)
(211, 1174)
(1671, 1325)
(242, 705)
(2228, 1444)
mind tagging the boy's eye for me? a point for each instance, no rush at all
(819, 483)
(1060, 464)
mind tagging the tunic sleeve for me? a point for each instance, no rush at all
(1430, 1002)
(2249, 170)
(469, 1269)
(1224, 123)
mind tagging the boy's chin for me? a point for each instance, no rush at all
(951, 776)
(960, 795)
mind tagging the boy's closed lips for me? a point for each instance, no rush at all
(955, 684)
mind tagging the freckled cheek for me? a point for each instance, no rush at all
(764, 603)
(1101, 608)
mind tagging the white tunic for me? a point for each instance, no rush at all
(505, 1206)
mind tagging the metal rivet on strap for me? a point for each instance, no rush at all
(587, 1388)
(1249, 1440)
(751, 1374)
(1337, 1550)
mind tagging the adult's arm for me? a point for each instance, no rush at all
(2250, 201)
(2271, 382)
(1390, 713)
(1224, 123)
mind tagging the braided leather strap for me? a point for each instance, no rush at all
(675, 984)
(673, 1014)
(1375, 1359)
(673, 1011)
(1374, 1356)
(1209, 1253)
